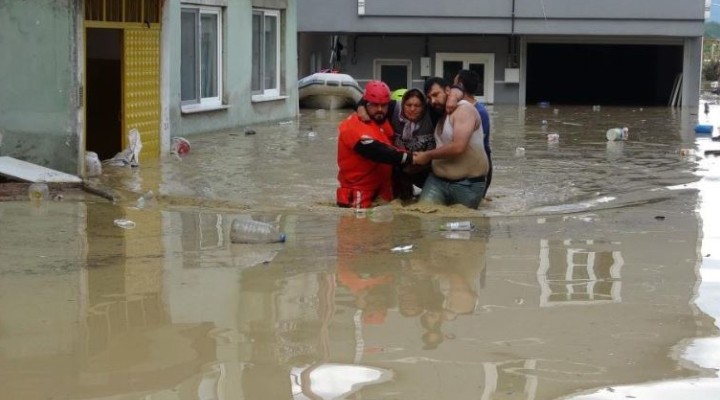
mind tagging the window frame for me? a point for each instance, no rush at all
(264, 93)
(199, 11)
(488, 59)
(378, 63)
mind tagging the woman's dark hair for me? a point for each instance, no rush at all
(413, 93)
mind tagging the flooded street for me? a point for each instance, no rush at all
(594, 273)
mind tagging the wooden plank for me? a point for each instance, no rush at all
(29, 172)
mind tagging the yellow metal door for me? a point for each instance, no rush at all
(141, 88)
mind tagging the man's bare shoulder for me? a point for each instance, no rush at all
(464, 111)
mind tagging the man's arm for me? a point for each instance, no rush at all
(463, 123)
(381, 152)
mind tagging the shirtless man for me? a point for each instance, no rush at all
(459, 162)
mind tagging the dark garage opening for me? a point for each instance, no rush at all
(623, 75)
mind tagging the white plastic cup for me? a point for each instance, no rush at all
(38, 192)
(382, 213)
(615, 134)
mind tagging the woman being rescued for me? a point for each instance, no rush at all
(413, 130)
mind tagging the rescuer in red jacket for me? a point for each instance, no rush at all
(366, 154)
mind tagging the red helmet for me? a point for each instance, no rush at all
(377, 92)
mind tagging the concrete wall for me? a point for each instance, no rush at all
(38, 89)
(612, 17)
(477, 27)
(237, 66)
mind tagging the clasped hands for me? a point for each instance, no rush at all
(420, 158)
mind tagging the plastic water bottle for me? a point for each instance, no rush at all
(457, 226)
(616, 134)
(250, 231)
(38, 192)
(382, 213)
(146, 199)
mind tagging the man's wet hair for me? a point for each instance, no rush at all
(469, 80)
(436, 80)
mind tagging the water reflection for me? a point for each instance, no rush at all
(571, 272)
(521, 307)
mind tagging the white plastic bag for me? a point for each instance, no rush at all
(131, 155)
(93, 167)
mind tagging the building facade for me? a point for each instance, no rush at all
(80, 74)
(614, 52)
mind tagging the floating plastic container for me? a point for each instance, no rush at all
(124, 223)
(382, 213)
(93, 167)
(180, 146)
(615, 134)
(457, 226)
(704, 129)
(553, 137)
(38, 192)
(250, 231)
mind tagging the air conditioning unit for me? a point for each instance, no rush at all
(512, 75)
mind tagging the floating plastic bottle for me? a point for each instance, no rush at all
(616, 134)
(146, 199)
(457, 226)
(250, 231)
(38, 192)
(704, 128)
(124, 223)
(382, 213)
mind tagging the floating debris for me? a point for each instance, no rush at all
(403, 249)
(124, 223)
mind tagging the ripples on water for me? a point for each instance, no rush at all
(534, 307)
(292, 164)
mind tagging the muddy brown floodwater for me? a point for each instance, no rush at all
(592, 274)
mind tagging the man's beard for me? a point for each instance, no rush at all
(379, 118)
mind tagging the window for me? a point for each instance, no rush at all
(200, 55)
(448, 64)
(266, 52)
(396, 73)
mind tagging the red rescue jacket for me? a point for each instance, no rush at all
(362, 180)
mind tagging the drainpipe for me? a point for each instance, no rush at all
(512, 63)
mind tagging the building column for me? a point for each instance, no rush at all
(523, 71)
(692, 70)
